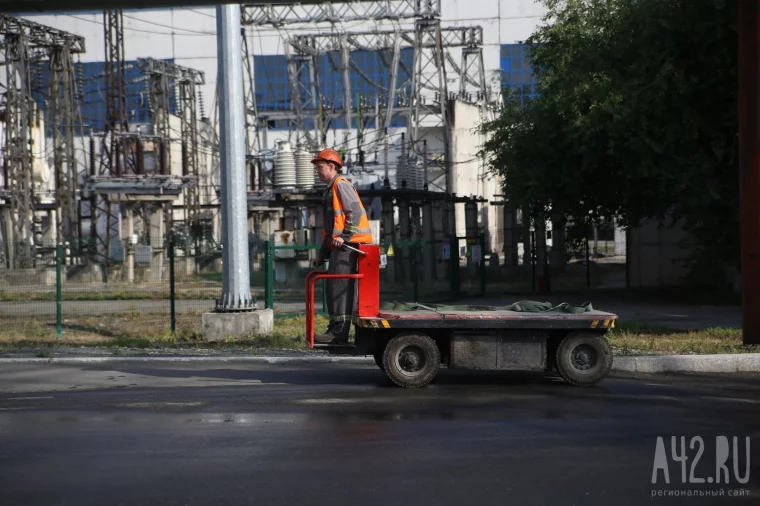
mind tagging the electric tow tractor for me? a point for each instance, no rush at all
(410, 345)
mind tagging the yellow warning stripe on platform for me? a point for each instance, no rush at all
(610, 324)
(375, 324)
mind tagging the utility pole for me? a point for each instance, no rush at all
(236, 281)
(749, 166)
(234, 311)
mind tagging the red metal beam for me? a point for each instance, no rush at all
(368, 299)
(749, 166)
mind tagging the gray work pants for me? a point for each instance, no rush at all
(341, 293)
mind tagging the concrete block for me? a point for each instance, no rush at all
(143, 274)
(624, 364)
(116, 273)
(87, 273)
(220, 326)
(725, 364)
(47, 276)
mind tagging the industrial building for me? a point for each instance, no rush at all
(111, 127)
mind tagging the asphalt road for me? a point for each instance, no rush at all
(221, 433)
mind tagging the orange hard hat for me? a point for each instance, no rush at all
(328, 155)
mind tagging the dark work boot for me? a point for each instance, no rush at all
(326, 338)
(336, 333)
(340, 330)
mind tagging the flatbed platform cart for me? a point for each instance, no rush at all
(410, 345)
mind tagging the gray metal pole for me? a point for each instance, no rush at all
(236, 282)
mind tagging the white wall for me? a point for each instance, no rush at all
(43, 176)
(470, 176)
(503, 22)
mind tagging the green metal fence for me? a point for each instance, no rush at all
(150, 288)
(286, 267)
(154, 289)
(410, 273)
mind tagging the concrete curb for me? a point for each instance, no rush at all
(744, 362)
(242, 359)
(748, 362)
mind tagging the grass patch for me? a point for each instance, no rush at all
(635, 338)
(129, 342)
(288, 333)
(140, 330)
(637, 327)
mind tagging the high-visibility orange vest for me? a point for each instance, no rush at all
(361, 233)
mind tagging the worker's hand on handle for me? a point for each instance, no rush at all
(318, 261)
(350, 248)
(337, 242)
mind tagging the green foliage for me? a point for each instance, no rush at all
(636, 118)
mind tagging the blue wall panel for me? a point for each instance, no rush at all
(91, 84)
(517, 71)
(273, 92)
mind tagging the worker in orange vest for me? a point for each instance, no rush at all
(344, 222)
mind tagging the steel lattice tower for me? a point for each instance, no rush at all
(159, 97)
(252, 130)
(26, 44)
(189, 133)
(61, 102)
(423, 100)
(306, 99)
(18, 155)
(185, 81)
(419, 99)
(116, 146)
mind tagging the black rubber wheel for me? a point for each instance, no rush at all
(584, 359)
(411, 360)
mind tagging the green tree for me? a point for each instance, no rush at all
(636, 117)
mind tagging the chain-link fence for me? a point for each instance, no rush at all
(410, 270)
(150, 289)
(285, 268)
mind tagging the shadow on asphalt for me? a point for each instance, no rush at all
(628, 388)
(335, 375)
